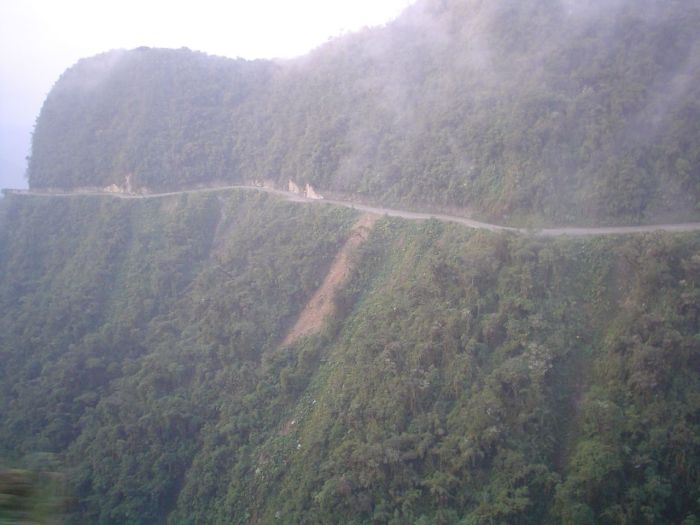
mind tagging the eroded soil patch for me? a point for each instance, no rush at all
(321, 303)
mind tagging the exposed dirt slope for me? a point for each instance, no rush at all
(321, 303)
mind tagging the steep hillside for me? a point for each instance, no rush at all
(535, 111)
(464, 377)
(167, 117)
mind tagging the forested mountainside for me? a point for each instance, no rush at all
(150, 361)
(528, 111)
(464, 376)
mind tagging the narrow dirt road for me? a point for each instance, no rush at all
(404, 214)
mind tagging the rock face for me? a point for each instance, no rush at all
(127, 188)
(311, 193)
(293, 188)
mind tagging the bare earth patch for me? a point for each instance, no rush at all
(321, 304)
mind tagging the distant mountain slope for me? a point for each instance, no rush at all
(537, 110)
(164, 116)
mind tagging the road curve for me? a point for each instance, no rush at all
(392, 212)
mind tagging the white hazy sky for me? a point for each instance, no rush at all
(39, 39)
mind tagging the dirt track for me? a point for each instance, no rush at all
(405, 214)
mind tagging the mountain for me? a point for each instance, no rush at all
(229, 356)
(530, 112)
(460, 377)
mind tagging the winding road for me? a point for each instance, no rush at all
(392, 212)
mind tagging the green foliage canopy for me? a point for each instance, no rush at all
(532, 111)
(466, 377)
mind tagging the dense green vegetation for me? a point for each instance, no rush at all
(539, 110)
(466, 377)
